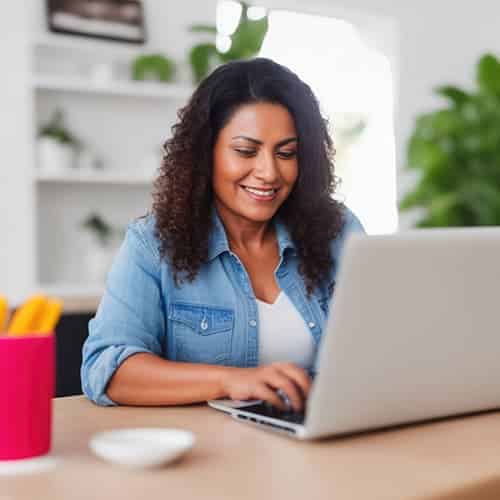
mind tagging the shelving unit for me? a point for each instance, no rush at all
(122, 121)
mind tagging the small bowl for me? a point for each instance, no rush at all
(142, 447)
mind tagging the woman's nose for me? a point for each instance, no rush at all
(266, 168)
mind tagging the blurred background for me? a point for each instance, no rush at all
(90, 89)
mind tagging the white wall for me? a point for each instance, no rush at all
(16, 190)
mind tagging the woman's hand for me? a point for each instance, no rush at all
(263, 382)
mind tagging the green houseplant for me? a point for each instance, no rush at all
(56, 129)
(246, 42)
(100, 229)
(153, 67)
(456, 153)
(56, 145)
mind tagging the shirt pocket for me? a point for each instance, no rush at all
(202, 334)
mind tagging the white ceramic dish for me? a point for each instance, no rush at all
(142, 447)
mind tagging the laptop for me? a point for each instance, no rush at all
(413, 334)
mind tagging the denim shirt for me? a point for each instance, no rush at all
(212, 319)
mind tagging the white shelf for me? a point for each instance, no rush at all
(72, 290)
(114, 88)
(94, 178)
(77, 298)
(82, 44)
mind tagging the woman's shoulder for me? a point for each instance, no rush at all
(351, 224)
(143, 231)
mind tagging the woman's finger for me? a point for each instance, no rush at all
(280, 381)
(298, 375)
(268, 394)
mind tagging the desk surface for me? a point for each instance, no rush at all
(452, 459)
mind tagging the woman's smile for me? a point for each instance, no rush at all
(261, 194)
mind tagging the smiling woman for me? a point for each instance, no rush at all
(260, 165)
(243, 240)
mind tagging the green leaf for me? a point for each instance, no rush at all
(203, 28)
(200, 57)
(413, 199)
(56, 129)
(99, 227)
(247, 39)
(153, 66)
(424, 154)
(423, 194)
(457, 96)
(246, 42)
(443, 209)
(488, 74)
(482, 199)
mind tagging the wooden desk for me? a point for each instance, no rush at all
(453, 459)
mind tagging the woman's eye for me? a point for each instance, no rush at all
(245, 152)
(285, 155)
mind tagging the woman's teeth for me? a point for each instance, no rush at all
(261, 192)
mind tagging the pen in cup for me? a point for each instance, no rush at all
(4, 312)
(39, 315)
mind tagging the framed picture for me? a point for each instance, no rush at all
(120, 20)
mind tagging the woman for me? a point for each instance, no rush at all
(224, 289)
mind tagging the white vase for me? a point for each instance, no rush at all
(53, 156)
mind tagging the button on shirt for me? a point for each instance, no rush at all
(213, 319)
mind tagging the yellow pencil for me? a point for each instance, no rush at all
(27, 316)
(4, 312)
(50, 317)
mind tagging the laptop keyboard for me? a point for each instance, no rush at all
(267, 410)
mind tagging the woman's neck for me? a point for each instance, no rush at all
(245, 234)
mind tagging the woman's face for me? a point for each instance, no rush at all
(255, 161)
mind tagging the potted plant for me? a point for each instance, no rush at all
(101, 247)
(153, 67)
(455, 152)
(56, 145)
(246, 42)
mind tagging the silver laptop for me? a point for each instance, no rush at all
(413, 334)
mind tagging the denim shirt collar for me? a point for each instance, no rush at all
(218, 242)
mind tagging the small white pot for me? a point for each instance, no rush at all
(54, 157)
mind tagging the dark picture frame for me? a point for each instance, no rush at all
(117, 20)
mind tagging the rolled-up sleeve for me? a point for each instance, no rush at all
(130, 318)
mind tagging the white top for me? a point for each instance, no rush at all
(283, 334)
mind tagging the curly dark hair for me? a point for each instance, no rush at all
(183, 197)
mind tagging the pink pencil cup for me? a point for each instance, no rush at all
(27, 380)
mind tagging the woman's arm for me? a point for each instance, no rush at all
(130, 318)
(148, 380)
